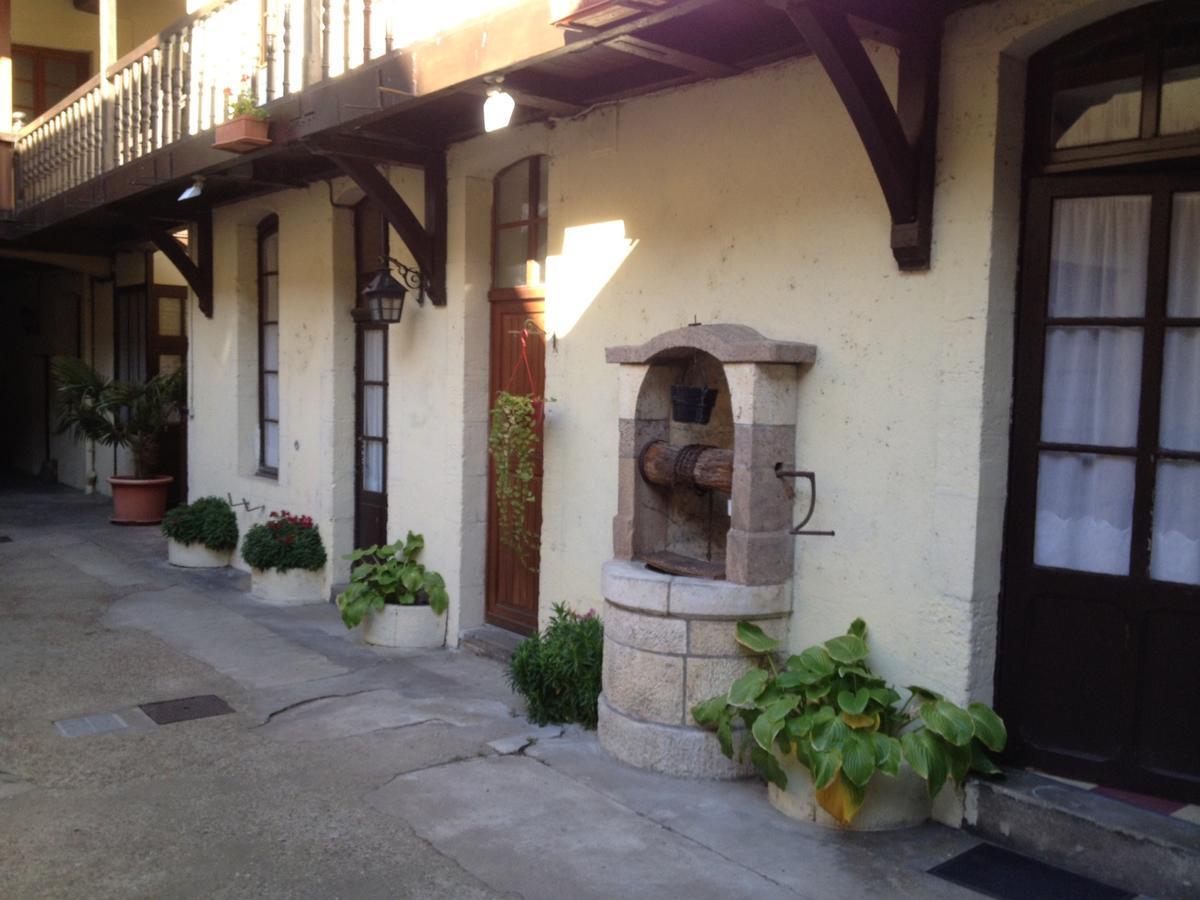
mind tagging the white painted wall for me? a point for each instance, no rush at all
(747, 200)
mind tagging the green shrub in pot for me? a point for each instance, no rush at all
(283, 542)
(391, 574)
(558, 671)
(209, 521)
(845, 724)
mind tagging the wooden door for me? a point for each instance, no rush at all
(371, 445)
(371, 387)
(1099, 673)
(166, 352)
(512, 586)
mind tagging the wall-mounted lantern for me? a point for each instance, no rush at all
(382, 300)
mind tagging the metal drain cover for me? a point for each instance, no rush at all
(185, 709)
(996, 872)
(5, 539)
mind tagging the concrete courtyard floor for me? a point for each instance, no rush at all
(345, 771)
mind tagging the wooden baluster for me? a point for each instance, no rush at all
(325, 42)
(98, 110)
(146, 67)
(287, 47)
(270, 53)
(199, 66)
(162, 93)
(135, 112)
(76, 151)
(120, 119)
(366, 31)
(183, 89)
(388, 37)
(346, 36)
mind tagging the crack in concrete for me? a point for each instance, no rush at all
(305, 702)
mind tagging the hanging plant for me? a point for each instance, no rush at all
(511, 443)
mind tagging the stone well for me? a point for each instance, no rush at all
(669, 637)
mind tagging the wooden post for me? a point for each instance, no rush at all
(106, 57)
(7, 181)
(713, 468)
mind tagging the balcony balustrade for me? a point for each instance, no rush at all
(182, 82)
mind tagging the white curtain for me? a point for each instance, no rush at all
(1099, 258)
(1092, 382)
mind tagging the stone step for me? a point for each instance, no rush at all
(491, 642)
(1087, 833)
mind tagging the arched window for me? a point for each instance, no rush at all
(519, 207)
(1124, 91)
(268, 346)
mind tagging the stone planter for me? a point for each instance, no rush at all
(196, 556)
(139, 501)
(290, 587)
(409, 627)
(890, 803)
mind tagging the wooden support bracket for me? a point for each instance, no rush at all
(427, 242)
(198, 272)
(901, 141)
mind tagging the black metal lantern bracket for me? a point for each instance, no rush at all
(382, 300)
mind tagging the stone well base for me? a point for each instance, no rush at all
(668, 645)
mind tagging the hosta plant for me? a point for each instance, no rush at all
(391, 574)
(209, 521)
(845, 724)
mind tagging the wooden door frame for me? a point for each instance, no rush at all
(360, 330)
(1136, 594)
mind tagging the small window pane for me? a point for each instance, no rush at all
(169, 363)
(373, 398)
(1099, 256)
(170, 316)
(543, 187)
(1175, 551)
(1084, 512)
(55, 92)
(270, 347)
(512, 194)
(373, 343)
(372, 466)
(271, 445)
(270, 298)
(23, 94)
(270, 252)
(270, 396)
(23, 66)
(1179, 427)
(1098, 113)
(1180, 106)
(61, 73)
(1183, 298)
(512, 251)
(1092, 384)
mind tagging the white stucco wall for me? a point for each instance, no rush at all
(746, 200)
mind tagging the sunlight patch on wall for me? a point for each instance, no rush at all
(591, 256)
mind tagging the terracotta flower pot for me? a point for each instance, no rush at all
(139, 501)
(242, 134)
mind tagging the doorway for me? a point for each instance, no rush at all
(1099, 665)
(370, 389)
(517, 364)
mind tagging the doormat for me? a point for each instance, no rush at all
(167, 712)
(1000, 873)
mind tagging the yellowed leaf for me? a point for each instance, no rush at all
(839, 800)
(861, 721)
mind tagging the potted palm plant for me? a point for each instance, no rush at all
(122, 414)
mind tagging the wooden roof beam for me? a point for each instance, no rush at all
(900, 141)
(660, 53)
(426, 242)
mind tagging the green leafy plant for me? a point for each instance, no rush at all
(284, 542)
(512, 441)
(844, 723)
(558, 672)
(209, 521)
(242, 103)
(391, 574)
(117, 413)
